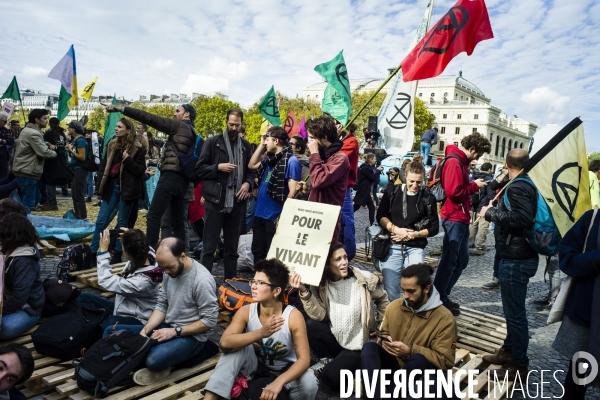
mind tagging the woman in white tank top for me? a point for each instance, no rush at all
(268, 333)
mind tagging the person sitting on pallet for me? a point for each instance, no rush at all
(419, 333)
(267, 340)
(17, 367)
(136, 287)
(23, 291)
(335, 334)
(185, 313)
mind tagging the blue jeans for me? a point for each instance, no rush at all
(14, 324)
(425, 149)
(398, 257)
(249, 221)
(170, 353)
(30, 193)
(348, 232)
(89, 185)
(454, 259)
(107, 212)
(514, 276)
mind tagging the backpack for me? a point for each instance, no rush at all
(60, 297)
(76, 257)
(188, 161)
(110, 360)
(435, 180)
(65, 335)
(56, 170)
(544, 236)
(235, 293)
(90, 164)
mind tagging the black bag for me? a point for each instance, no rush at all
(60, 297)
(64, 336)
(381, 245)
(56, 170)
(188, 161)
(89, 163)
(76, 257)
(435, 182)
(110, 360)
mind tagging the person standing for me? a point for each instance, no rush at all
(594, 172)
(6, 142)
(350, 149)
(479, 199)
(79, 152)
(518, 264)
(56, 136)
(30, 152)
(299, 147)
(172, 185)
(455, 213)
(278, 174)
(228, 183)
(367, 176)
(429, 138)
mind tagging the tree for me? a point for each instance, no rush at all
(97, 120)
(211, 112)
(594, 156)
(423, 119)
(252, 124)
(162, 110)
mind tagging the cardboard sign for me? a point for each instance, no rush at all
(8, 108)
(303, 238)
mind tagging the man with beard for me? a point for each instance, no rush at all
(184, 316)
(419, 333)
(278, 175)
(227, 184)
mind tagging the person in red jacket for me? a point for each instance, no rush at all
(455, 213)
(328, 165)
(350, 149)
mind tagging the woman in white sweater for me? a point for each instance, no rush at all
(136, 287)
(341, 318)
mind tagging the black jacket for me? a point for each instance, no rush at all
(513, 223)
(23, 284)
(366, 178)
(484, 194)
(7, 136)
(214, 153)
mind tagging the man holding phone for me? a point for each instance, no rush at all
(417, 333)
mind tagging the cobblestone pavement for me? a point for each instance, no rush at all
(468, 293)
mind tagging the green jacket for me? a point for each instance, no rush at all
(30, 152)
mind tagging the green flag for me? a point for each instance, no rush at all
(269, 109)
(338, 100)
(12, 92)
(110, 125)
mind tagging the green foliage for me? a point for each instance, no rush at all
(358, 100)
(97, 119)
(592, 156)
(423, 119)
(252, 124)
(163, 110)
(211, 112)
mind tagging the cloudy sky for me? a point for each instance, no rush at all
(542, 65)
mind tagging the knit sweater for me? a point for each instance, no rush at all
(345, 312)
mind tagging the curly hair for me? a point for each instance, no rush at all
(477, 141)
(322, 128)
(279, 133)
(16, 231)
(136, 245)
(125, 142)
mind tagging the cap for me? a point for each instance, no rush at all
(77, 126)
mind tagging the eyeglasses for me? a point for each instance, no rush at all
(261, 283)
(267, 135)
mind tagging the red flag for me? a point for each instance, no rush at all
(291, 125)
(460, 29)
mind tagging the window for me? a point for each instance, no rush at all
(456, 144)
(521, 145)
(443, 129)
(444, 116)
(432, 94)
(503, 147)
(476, 116)
(458, 116)
(462, 98)
(497, 145)
(474, 129)
(442, 144)
(316, 96)
(509, 145)
(457, 130)
(420, 94)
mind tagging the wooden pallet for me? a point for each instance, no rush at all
(48, 248)
(466, 360)
(361, 257)
(89, 277)
(479, 332)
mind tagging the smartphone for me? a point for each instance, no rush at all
(380, 336)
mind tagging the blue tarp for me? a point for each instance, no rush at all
(67, 228)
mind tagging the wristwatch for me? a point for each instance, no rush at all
(178, 330)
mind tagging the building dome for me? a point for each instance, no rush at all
(462, 82)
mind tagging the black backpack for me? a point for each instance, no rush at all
(56, 170)
(188, 161)
(435, 179)
(89, 163)
(65, 335)
(76, 257)
(110, 360)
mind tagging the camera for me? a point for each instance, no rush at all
(422, 224)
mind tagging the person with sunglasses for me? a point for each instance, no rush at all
(268, 340)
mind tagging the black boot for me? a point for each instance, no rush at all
(116, 258)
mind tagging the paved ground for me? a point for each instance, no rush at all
(468, 293)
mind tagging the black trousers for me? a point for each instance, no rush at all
(3, 167)
(572, 390)
(77, 188)
(263, 231)
(170, 191)
(231, 224)
(371, 208)
(324, 344)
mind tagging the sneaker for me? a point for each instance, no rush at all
(500, 358)
(318, 367)
(453, 304)
(145, 376)
(494, 284)
(48, 207)
(98, 204)
(88, 200)
(454, 311)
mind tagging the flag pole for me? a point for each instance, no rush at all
(373, 95)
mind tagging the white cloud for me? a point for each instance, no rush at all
(34, 72)
(159, 63)
(204, 84)
(547, 105)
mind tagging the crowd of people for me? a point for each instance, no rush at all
(399, 317)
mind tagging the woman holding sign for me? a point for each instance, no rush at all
(409, 213)
(341, 318)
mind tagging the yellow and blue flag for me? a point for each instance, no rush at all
(66, 73)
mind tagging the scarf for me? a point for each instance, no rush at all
(277, 187)
(330, 150)
(234, 182)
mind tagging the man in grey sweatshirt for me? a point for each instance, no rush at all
(185, 313)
